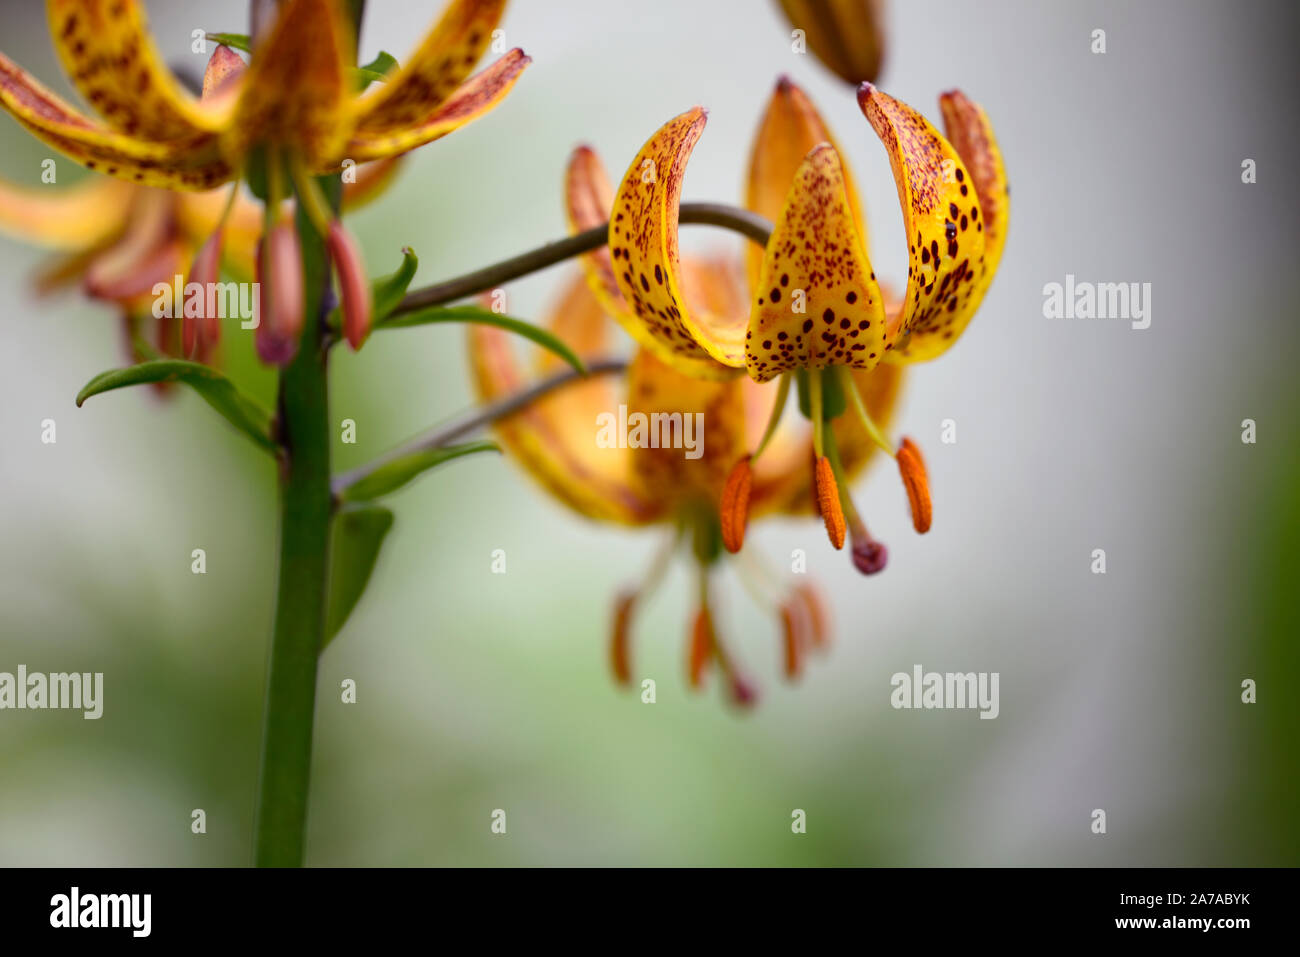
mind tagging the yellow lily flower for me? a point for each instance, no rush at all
(295, 95)
(815, 300)
(555, 439)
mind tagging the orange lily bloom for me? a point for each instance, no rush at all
(119, 240)
(295, 99)
(295, 95)
(556, 439)
(815, 303)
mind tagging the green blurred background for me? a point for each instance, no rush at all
(479, 691)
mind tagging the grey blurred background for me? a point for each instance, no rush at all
(479, 691)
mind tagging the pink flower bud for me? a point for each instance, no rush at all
(280, 324)
(201, 333)
(354, 289)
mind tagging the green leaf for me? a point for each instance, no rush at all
(391, 476)
(543, 337)
(386, 291)
(358, 535)
(218, 391)
(376, 69)
(237, 41)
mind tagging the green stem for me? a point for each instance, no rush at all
(742, 221)
(306, 506)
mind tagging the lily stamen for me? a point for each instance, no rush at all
(912, 468)
(620, 646)
(735, 493)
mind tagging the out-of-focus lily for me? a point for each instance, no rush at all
(848, 36)
(119, 240)
(556, 439)
(815, 301)
(295, 96)
(295, 101)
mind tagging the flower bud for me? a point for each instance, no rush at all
(354, 288)
(280, 325)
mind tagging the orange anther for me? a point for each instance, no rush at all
(828, 502)
(735, 505)
(912, 468)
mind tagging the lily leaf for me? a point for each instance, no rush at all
(236, 41)
(543, 337)
(391, 476)
(376, 69)
(387, 291)
(359, 533)
(215, 389)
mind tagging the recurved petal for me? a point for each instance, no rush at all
(817, 302)
(182, 165)
(695, 429)
(478, 95)
(588, 201)
(846, 35)
(971, 134)
(945, 244)
(66, 218)
(554, 439)
(294, 92)
(445, 57)
(644, 246)
(790, 128)
(107, 50)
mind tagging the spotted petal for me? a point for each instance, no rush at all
(971, 134)
(478, 95)
(945, 242)
(295, 91)
(589, 198)
(817, 302)
(184, 165)
(429, 77)
(790, 128)
(644, 246)
(107, 50)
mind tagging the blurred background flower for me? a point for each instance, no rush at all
(478, 691)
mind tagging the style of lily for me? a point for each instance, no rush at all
(554, 438)
(817, 313)
(291, 114)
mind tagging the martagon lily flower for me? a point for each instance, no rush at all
(817, 312)
(555, 438)
(293, 108)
